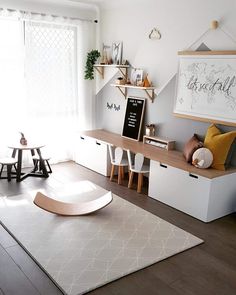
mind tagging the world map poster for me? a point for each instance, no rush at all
(206, 87)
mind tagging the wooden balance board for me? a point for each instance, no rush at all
(72, 209)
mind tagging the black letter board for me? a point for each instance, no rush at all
(133, 117)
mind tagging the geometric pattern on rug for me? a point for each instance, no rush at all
(82, 253)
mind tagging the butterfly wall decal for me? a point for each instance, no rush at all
(116, 107)
(109, 106)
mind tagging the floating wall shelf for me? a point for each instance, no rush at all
(123, 89)
(122, 68)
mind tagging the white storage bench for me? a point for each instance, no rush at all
(201, 197)
(93, 154)
(206, 194)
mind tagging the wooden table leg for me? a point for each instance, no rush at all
(35, 162)
(9, 172)
(19, 163)
(13, 153)
(42, 164)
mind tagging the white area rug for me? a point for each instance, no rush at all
(83, 253)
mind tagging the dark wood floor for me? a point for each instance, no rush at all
(206, 269)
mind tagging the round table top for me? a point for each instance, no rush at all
(29, 146)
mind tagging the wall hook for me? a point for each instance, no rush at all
(214, 24)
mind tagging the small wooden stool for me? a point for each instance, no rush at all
(117, 160)
(37, 163)
(9, 162)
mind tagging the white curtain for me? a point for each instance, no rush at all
(12, 90)
(51, 86)
(45, 95)
(86, 42)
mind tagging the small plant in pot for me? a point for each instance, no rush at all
(120, 81)
(92, 56)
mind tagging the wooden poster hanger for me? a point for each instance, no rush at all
(206, 81)
(214, 25)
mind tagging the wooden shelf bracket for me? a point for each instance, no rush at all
(123, 69)
(150, 93)
(100, 70)
(124, 72)
(122, 90)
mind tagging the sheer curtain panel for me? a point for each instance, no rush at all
(12, 90)
(51, 85)
(43, 92)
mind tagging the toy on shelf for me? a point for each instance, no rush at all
(120, 81)
(147, 82)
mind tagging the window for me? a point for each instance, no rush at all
(51, 69)
(38, 75)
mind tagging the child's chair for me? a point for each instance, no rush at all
(117, 159)
(137, 167)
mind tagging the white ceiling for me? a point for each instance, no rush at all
(103, 4)
(90, 1)
(107, 4)
(96, 2)
(100, 3)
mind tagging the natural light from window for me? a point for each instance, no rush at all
(38, 77)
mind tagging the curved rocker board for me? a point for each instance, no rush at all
(72, 209)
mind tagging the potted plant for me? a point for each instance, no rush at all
(92, 56)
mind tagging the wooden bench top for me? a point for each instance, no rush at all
(173, 158)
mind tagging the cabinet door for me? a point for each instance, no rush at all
(99, 157)
(180, 189)
(93, 155)
(82, 150)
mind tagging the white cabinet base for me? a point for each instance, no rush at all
(93, 154)
(203, 198)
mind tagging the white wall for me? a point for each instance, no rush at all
(181, 23)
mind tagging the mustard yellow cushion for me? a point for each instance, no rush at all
(219, 144)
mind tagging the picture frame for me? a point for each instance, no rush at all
(116, 52)
(136, 77)
(206, 87)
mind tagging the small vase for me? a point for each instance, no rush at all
(23, 140)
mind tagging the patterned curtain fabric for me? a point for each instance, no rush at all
(51, 85)
(12, 90)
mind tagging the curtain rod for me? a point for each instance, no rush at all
(53, 15)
